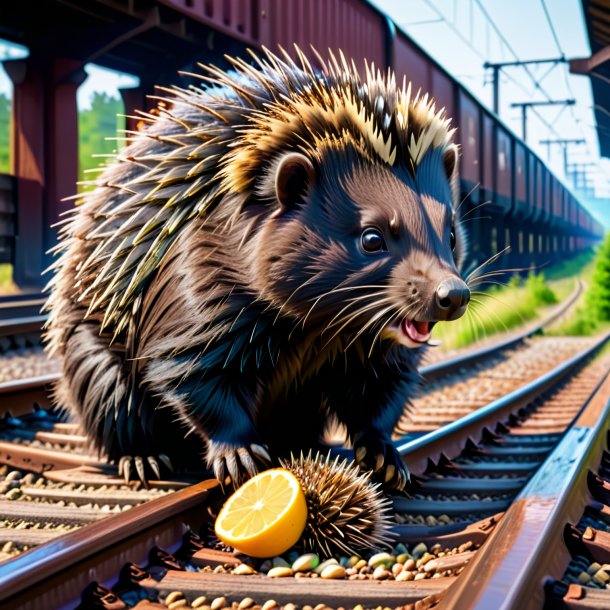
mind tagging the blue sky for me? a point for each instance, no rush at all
(460, 35)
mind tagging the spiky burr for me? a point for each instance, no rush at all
(347, 513)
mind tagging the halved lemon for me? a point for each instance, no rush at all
(265, 516)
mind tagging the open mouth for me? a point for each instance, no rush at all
(412, 333)
(419, 332)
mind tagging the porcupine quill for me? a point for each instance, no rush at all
(347, 513)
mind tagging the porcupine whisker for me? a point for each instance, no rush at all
(501, 272)
(355, 314)
(363, 297)
(349, 320)
(383, 323)
(489, 261)
(334, 291)
(371, 323)
(470, 192)
(475, 208)
(478, 303)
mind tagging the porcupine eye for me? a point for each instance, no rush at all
(452, 239)
(372, 240)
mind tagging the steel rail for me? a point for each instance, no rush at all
(84, 553)
(526, 547)
(450, 439)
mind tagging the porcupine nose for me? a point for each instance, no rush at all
(452, 296)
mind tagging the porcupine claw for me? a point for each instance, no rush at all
(154, 465)
(126, 467)
(261, 452)
(231, 462)
(139, 463)
(167, 462)
(247, 461)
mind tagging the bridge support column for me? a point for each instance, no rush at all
(44, 142)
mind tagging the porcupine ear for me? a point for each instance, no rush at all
(450, 158)
(294, 175)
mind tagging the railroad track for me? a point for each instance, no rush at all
(90, 531)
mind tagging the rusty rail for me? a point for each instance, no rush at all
(526, 548)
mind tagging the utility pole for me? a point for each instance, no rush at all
(496, 67)
(525, 105)
(564, 143)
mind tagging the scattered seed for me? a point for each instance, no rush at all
(269, 604)
(306, 563)
(381, 573)
(326, 563)
(382, 559)
(279, 572)
(333, 572)
(246, 602)
(179, 603)
(243, 569)
(219, 602)
(199, 601)
(173, 596)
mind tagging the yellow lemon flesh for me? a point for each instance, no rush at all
(265, 516)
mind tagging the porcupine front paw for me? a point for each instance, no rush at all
(139, 465)
(380, 456)
(236, 463)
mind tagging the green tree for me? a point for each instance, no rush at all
(95, 125)
(5, 133)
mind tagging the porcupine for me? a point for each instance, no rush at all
(269, 252)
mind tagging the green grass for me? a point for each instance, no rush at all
(503, 308)
(592, 315)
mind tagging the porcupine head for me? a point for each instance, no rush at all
(303, 223)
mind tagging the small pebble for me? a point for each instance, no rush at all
(280, 562)
(244, 569)
(602, 576)
(419, 550)
(290, 606)
(333, 571)
(246, 602)
(409, 564)
(179, 603)
(400, 548)
(594, 567)
(269, 604)
(199, 601)
(279, 572)
(431, 565)
(360, 564)
(583, 578)
(402, 557)
(352, 561)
